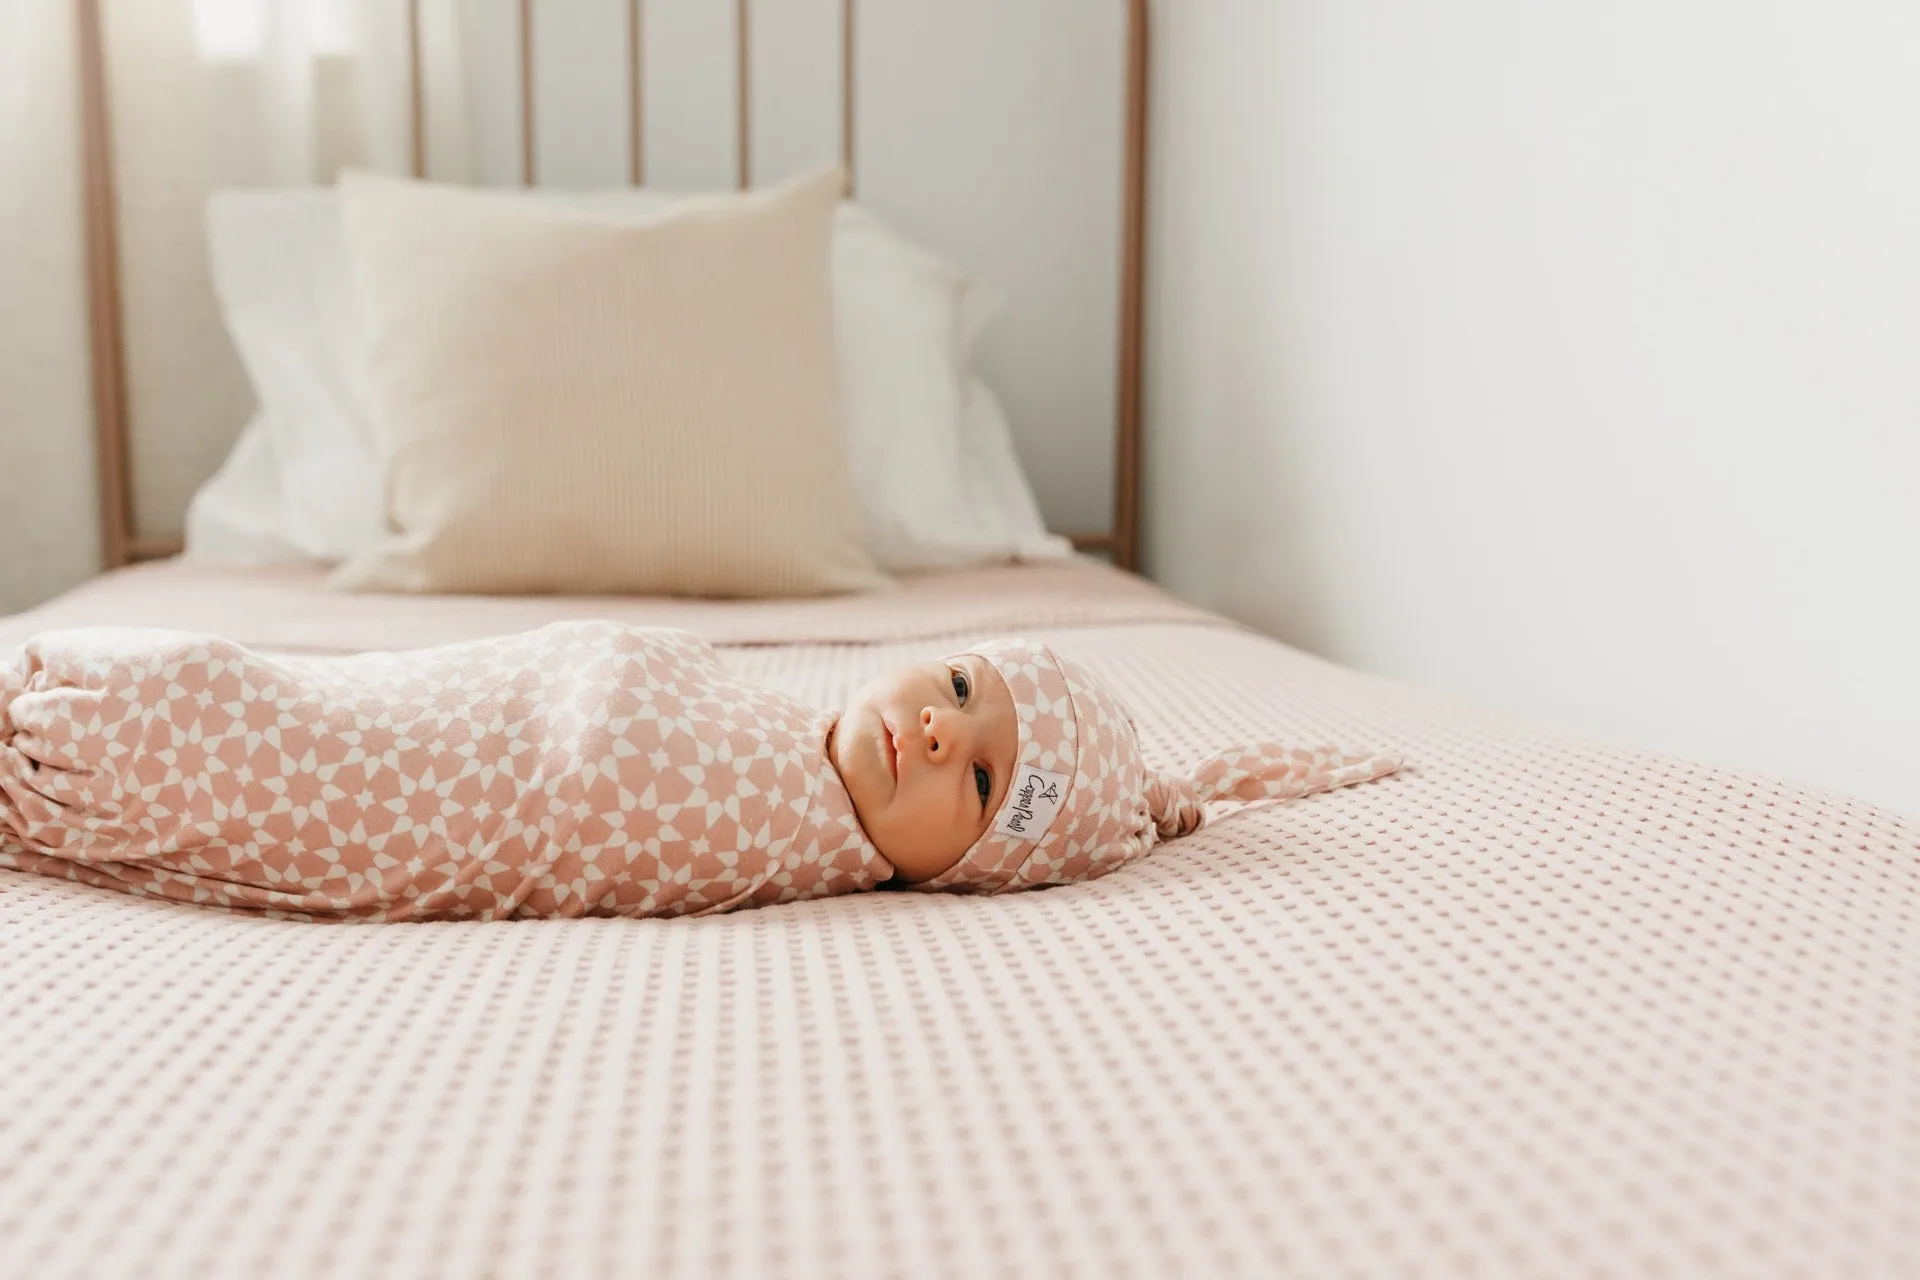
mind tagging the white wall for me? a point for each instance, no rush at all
(1566, 356)
(48, 538)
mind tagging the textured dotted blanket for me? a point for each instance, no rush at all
(1531, 1007)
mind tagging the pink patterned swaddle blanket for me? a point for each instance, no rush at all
(588, 768)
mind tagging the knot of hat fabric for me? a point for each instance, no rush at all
(1083, 802)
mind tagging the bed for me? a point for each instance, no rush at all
(1532, 1006)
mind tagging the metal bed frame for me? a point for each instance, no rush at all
(122, 543)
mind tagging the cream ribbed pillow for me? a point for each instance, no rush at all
(568, 404)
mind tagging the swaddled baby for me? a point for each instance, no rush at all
(587, 768)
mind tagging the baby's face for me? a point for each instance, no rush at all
(926, 752)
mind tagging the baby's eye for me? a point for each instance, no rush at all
(983, 782)
(960, 687)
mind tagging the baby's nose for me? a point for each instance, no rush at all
(940, 731)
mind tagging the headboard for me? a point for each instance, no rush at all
(123, 543)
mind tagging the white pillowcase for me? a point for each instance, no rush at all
(938, 481)
(998, 498)
(281, 272)
(239, 516)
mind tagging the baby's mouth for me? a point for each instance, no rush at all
(890, 748)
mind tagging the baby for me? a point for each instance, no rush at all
(587, 768)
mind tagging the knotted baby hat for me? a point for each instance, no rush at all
(1083, 802)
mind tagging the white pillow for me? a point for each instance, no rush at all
(586, 405)
(281, 273)
(1005, 521)
(238, 516)
(921, 460)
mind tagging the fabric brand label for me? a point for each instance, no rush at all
(1032, 803)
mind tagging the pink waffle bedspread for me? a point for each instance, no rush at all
(1531, 1007)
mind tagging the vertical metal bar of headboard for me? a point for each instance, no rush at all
(743, 78)
(636, 94)
(416, 95)
(104, 320)
(526, 94)
(848, 46)
(1133, 239)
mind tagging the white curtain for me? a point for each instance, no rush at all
(206, 94)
